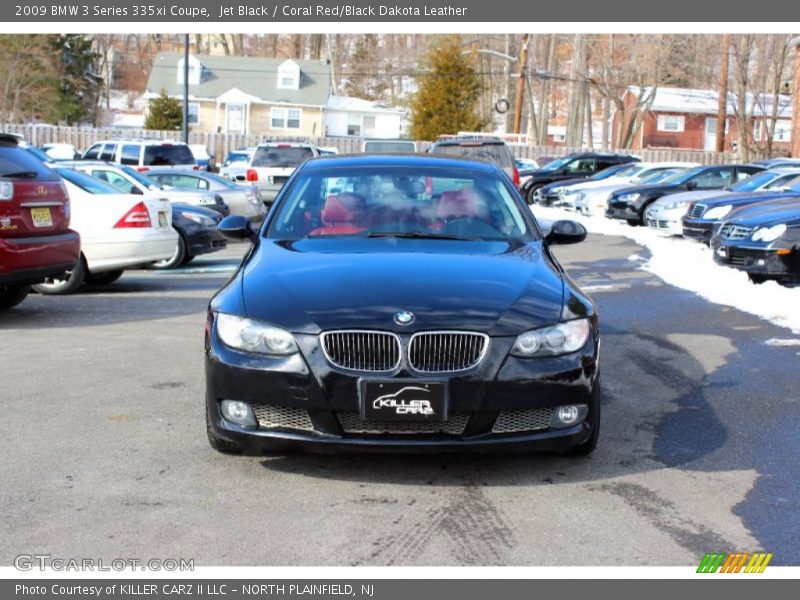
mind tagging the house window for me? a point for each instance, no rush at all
(289, 75)
(285, 118)
(193, 113)
(369, 125)
(235, 123)
(354, 125)
(672, 123)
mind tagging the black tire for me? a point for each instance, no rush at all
(219, 444)
(757, 279)
(530, 192)
(11, 295)
(105, 277)
(633, 223)
(177, 258)
(69, 284)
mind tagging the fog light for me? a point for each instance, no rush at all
(238, 412)
(569, 415)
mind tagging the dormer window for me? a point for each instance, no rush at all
(289, 76)
(195, 71)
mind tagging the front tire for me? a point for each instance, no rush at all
(11, 295)
(529, 194)
(67, 284)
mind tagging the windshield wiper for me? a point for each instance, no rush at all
(20, 175)
(421, 235)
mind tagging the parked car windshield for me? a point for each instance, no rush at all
(624, 170)
(17, 163)
(759, 180)
(138, 177)
(397, 201)
(388, 146)
(558, 163)
(167, 155)
(493, 153)
(236, 157)
(659, 175)
(281, 156)
(86, 182)
(683, 176)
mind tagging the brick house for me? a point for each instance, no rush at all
(272, 97)
(687, 118)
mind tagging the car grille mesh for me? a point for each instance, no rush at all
(696, 211)
(526, 419)
(351, 422)
(446, 351)
(362, 350)
(737, 257)
(282, 417)
(735, 232)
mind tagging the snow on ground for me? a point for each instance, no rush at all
(689, 265)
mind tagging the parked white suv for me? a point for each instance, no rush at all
(273, 163)
(143, 154)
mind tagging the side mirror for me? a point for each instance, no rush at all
(237, 227)
(565, 232)
(691, 185)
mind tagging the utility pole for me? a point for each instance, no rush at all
(722, 106)
(186, 89)
(523, 67)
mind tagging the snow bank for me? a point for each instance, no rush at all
(690, 265)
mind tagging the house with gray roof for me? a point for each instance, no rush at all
(273, 97)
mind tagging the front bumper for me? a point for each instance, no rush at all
(33, 259)
(322, 403)
(624, 212)
(205, 240)
(665, 222)
(762, 261)
(700, 231)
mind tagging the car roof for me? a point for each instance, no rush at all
(141, 141)
(293, 144)
(469, 141)
(399, 159)
(88, 163)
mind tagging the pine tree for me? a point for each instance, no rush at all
(164, 113)
(76, 63)
(448, 94)
(366, 76)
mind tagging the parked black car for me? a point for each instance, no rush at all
(630, 203)
(387, 316)
(573, 166)
(704, 216)
(548, 194)
(198, 233)
(762, 240)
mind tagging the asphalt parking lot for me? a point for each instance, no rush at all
(105, 452)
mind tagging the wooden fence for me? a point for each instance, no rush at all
(219, 144)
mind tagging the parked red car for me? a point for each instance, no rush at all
(35, 239)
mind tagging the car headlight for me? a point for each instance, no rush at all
(199, 219)
(676, 204)
(628, 197)
(562, 338)
(718, 212)
(769, 234)
(254, 336)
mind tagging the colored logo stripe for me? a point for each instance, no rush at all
(734, 563)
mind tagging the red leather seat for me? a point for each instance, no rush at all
(342, 214)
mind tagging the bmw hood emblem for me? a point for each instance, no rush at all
(404, 317)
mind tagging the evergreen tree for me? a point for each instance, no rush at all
(366, 76)
(164, 113)
(76, 64)
(446, 101)
(28, 79)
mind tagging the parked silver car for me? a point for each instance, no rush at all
(243, 200)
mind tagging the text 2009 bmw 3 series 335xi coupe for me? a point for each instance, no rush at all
(401, 303)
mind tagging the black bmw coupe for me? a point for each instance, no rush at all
(401, 302)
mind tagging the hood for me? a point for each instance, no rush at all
(609, 183)
(313, 285)
(688, 197)
(654, 188)
(786, 210)
(745, 198)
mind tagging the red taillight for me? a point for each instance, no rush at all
(196, 168)
(138, 216)
(429, 185)
(515, 176)
(251, 175)
(142, 169)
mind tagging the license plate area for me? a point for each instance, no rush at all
(403, 400)
(41, 217)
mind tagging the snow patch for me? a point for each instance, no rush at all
(782, 342)
(689, 265)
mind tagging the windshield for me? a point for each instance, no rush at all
(226, 183)
(139, 178)
(683, 176)
(167, 155)
(400, 201)
(759, 180)
(616, 171)
(281, 156)
(493, 153)
(658, 175)
(558, 163)
(86, 182)
(236, 157)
